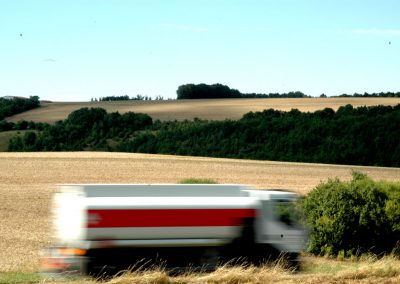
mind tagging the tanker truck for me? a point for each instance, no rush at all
(110, 226)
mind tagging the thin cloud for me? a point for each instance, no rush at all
(377, 32)
(49, 60)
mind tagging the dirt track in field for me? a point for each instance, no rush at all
(218, 109)
(27, 181)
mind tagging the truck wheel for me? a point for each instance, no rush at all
(87, 266)
(92, 267)
(209, 259)
(293, 261)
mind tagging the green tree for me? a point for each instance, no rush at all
(352, 216)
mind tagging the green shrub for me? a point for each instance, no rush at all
(198, 181)
(353, 217)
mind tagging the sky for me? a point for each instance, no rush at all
(77, 50)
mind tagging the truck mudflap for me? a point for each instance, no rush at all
(61, 262)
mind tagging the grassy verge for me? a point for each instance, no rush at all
(19, 277)
(197, 181)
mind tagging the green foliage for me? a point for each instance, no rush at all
(373, 95)
(83, 129)
(6, 126)
(5, 137)
(219, 91)
(203, 91)
(127, 98)
(216, 91)
(197, 181)
(354, 217)
(9, 107)
(115, 98)
(296, 94)
(20, 125)
(361, 136)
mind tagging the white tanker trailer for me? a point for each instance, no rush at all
(98, 226)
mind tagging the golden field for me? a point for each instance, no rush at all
(211, 109)
(27, 181)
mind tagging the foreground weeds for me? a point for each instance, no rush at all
(314, 270)
(369, 269)
(238, 274)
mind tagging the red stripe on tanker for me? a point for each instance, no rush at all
(109, 218)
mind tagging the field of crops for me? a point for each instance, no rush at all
(218, 109)
(27, 181)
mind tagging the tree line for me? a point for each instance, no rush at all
(126, 98)
(373, 95)
(357, 136)
(219, 91)
(15, 105)
(84, 129)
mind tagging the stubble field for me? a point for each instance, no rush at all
(215, 109)
(27, 181)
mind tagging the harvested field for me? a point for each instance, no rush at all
(27, 181)
(218, 109)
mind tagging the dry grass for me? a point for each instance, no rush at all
(237, 274)
(219, 109)
(320, 270)
(27, 181)
(386, 270)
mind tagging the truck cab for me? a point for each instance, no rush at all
(278, 223)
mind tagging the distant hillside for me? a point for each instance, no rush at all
(358, 136)
(211, 109)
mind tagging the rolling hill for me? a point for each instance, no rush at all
(215, 109)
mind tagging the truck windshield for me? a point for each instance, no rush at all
(286, 212)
